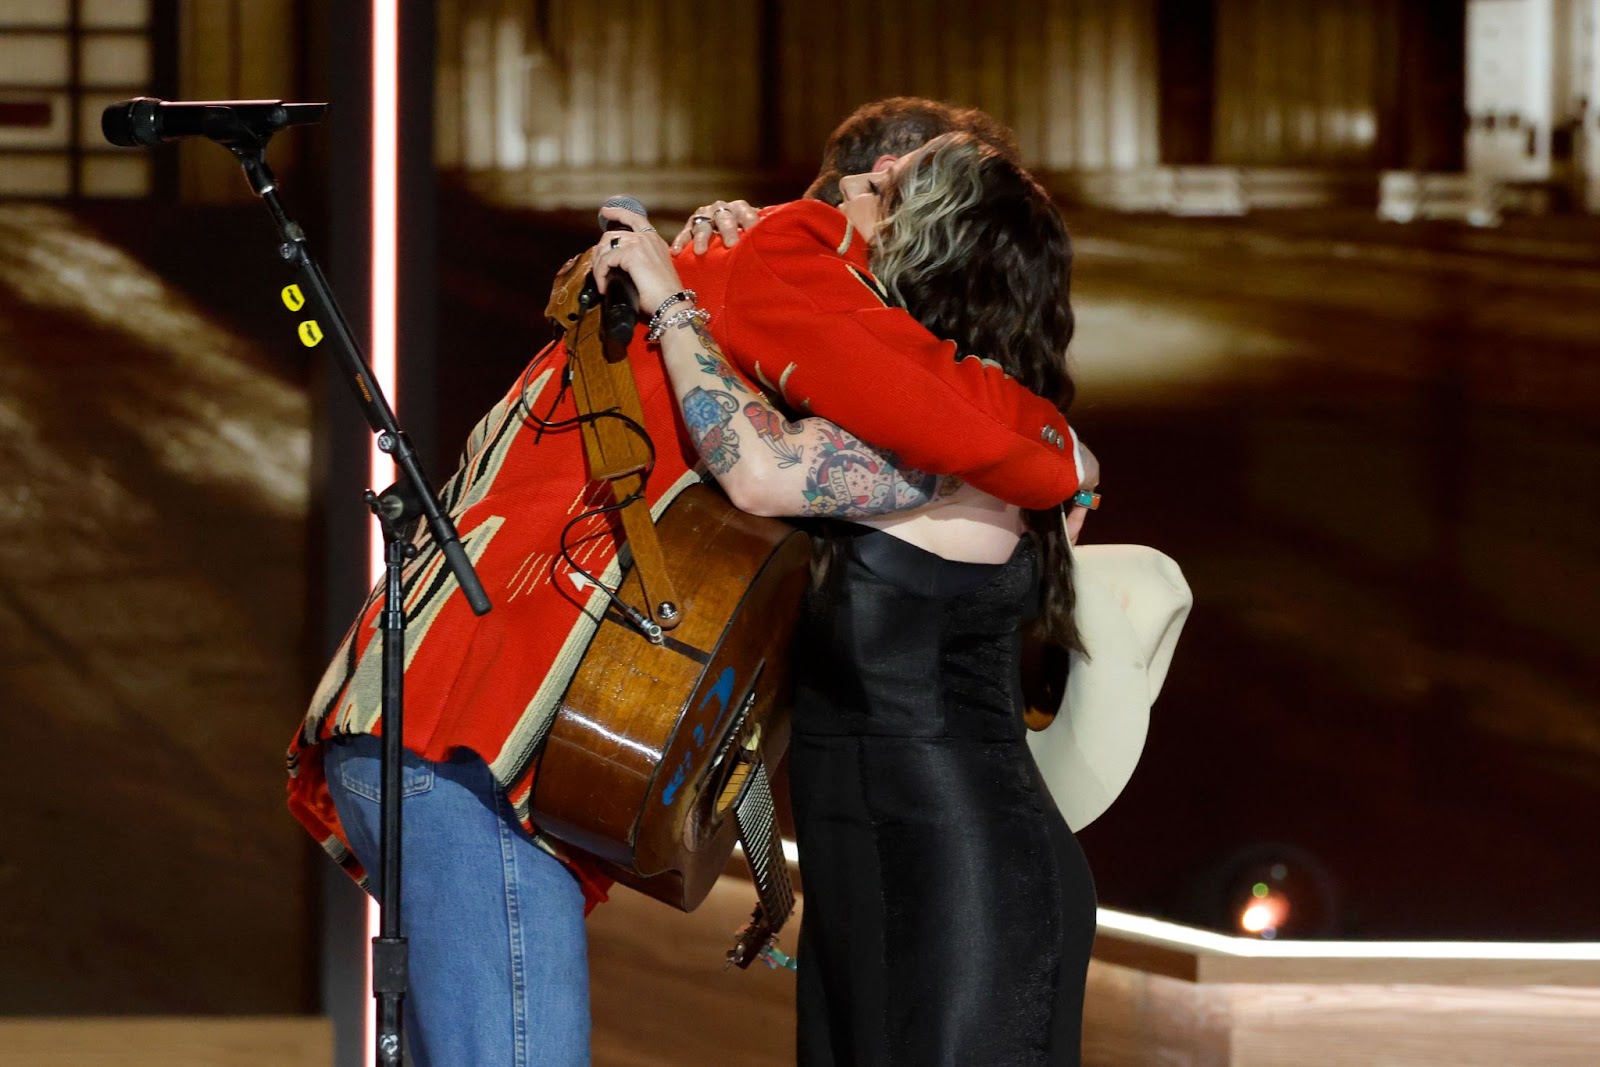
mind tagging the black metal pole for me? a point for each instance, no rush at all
(368, 393)
(398, 505)
(389, 953)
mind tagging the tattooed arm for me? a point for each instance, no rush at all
(769, 465)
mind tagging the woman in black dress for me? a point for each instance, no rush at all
(949, 911)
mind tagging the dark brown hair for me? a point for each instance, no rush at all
(893, 127)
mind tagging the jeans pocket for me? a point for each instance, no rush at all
(357, 763)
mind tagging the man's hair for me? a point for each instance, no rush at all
(894, 127)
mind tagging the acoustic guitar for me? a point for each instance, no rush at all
(657, 761)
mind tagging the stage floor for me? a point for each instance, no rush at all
(661, 996)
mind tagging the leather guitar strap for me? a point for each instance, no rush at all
(602, 381)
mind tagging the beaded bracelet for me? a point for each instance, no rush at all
(699, 316)
(653, 331)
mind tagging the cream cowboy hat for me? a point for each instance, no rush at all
(1131, 605)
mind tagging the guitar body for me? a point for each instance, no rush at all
(652, 744)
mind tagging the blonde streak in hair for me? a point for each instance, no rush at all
(938, 192)
(927, 232)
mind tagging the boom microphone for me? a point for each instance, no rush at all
(145, 121)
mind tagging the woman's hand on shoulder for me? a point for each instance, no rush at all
(726, 219)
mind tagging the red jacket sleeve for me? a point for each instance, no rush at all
(804, 317)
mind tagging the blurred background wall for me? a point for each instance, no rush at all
(1337, 278)
(553, 95)
(537, 97)
(1302, 104)
(156, 448)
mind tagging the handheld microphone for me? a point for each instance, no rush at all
(145, 121)
(622, 298)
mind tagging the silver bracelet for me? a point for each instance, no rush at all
(661, 312)
(698, 316)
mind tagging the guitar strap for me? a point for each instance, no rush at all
(603, 384)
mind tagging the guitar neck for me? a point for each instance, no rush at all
(763, 850)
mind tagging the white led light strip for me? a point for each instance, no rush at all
(1121, 922)
(381, 349)
(385, 218)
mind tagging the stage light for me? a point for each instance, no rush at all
(1256, 918)
(1267, 891)
(1263, 889)
(1264, 912)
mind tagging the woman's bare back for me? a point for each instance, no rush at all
(966, 524)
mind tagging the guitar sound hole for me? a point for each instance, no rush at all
(726, 778)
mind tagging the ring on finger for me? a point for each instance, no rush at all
(723, 210)
(698, 219)
(645, 229)
(615, 241)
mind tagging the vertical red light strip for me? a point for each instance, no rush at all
(385, 266)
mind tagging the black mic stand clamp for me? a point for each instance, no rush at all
(397, 509)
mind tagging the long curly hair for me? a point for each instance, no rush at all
(975, 249)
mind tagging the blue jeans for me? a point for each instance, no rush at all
(499, 971)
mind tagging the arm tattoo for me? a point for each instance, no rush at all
(774, 431)
(706, 340)
(850, 479)
(847, 478)
(713, 363)
(708, 413)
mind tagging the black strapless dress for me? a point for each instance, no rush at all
(949, 911)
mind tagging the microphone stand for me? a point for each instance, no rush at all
(396, 508)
